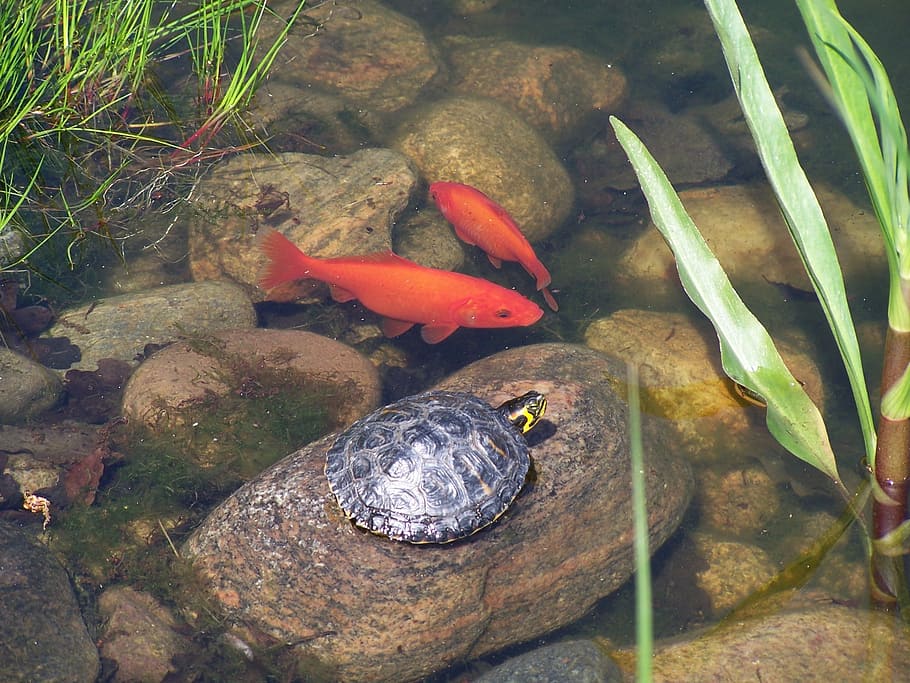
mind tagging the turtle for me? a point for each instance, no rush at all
(433, 467)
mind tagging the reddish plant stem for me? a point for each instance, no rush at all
(892, 460)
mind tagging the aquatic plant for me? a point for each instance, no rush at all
(858, 86)
(88, 131)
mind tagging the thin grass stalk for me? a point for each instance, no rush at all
(644, 626)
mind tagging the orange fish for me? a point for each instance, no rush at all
(480, 221)
(404, 293)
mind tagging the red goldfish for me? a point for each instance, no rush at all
(480, 221)
(404, 293)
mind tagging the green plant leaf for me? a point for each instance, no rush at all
(748, 354)
(795, 195)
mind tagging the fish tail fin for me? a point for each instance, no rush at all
(548, 297)
(286, 261)
(538, 271)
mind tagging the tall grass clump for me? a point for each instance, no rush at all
(88, 131)
(857, 86)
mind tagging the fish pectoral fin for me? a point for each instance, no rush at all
(340, 294)
(497, 263)
(433, 334)
(551, 302)
(392, 327)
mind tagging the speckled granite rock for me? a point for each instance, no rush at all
(329, 206)
(485, 144)
(43, 636)
(287, 566)
(26, 387)
(121, 326)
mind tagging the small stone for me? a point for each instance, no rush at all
(26, 388)
(573, 661)
(731, 571)
(139, 635)
(740, 501)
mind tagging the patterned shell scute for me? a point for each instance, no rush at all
(430, 468)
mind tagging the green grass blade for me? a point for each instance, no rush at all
(748, 354)
(644, 627)
(797, 200)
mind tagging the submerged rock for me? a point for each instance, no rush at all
(26, 389)
(178, 384)
(571, 661)
(370, 55)
(122, 326)
(820, 642)
(485, 144)
(139, 634)
(554, 88)
(287, 566)
(328, 206)
(43, 636)
(744, 227)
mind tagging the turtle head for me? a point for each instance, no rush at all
(525, 411)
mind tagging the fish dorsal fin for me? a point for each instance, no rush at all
(384, 257)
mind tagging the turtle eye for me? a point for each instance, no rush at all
(503, 313)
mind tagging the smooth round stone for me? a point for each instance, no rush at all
(178, 383)
(483, 143)
(27, 388)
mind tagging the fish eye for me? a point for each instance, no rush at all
(503, 313)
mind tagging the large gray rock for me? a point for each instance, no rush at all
(287, 566)
(122, 326)
(328, 206)
(43, 636)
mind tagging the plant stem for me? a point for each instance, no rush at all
(892, 465)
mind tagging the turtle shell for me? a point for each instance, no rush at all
(430, 468)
